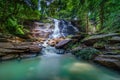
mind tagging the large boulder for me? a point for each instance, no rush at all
(95, 38)
(111, 61)
(62, 43)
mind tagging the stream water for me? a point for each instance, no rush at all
(53, 66)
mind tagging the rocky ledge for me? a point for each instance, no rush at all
(18, 50)
(111, 61)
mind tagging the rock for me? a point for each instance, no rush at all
(111, 61)
(34, 48)
(54, 41)
(76, 37)
(112, 47)
(62, 43)
(115, 39)
(93, 39)
(3, 40)
(27, 55)
(6, 45)
(13, 51)
(78, 48)
(15, 39)
(42, 30)
(9, 57)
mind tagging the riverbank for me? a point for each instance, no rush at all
(101, 48)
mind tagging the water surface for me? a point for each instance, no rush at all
(54, 67)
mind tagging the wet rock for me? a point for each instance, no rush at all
(62, 43)
(27, 55)
(9, 57)
(54, 41)
(95, 38)
(111, 61)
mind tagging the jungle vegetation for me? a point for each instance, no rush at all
(104, 15)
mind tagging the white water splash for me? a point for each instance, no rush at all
(56, 32)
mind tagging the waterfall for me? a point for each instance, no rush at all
(39, 5)
(56, 31)
(63, 28)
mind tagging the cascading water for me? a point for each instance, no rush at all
(63, 29)
(39, 5)
(56, 31)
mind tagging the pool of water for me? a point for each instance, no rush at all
(54, 67)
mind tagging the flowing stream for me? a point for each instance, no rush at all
(52, 66)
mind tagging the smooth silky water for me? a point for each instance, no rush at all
(52, 66)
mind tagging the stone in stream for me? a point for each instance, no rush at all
(62, 43)
(54, 41)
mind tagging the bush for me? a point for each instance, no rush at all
(87, 53)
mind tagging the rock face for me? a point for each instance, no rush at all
(15, 50)
(93, 39)
(62, 43)
(41, 30)
(111, 61)
(115, 39)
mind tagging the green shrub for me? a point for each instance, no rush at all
(87, 53)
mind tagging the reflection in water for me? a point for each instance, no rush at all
(54, 67)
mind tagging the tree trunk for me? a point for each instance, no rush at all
(87, 25)
(101, 15)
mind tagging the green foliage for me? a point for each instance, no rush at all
(13, 13)
(104, 12)
(87, 53)
(13, 27)
(99, 44)
(73, 45)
